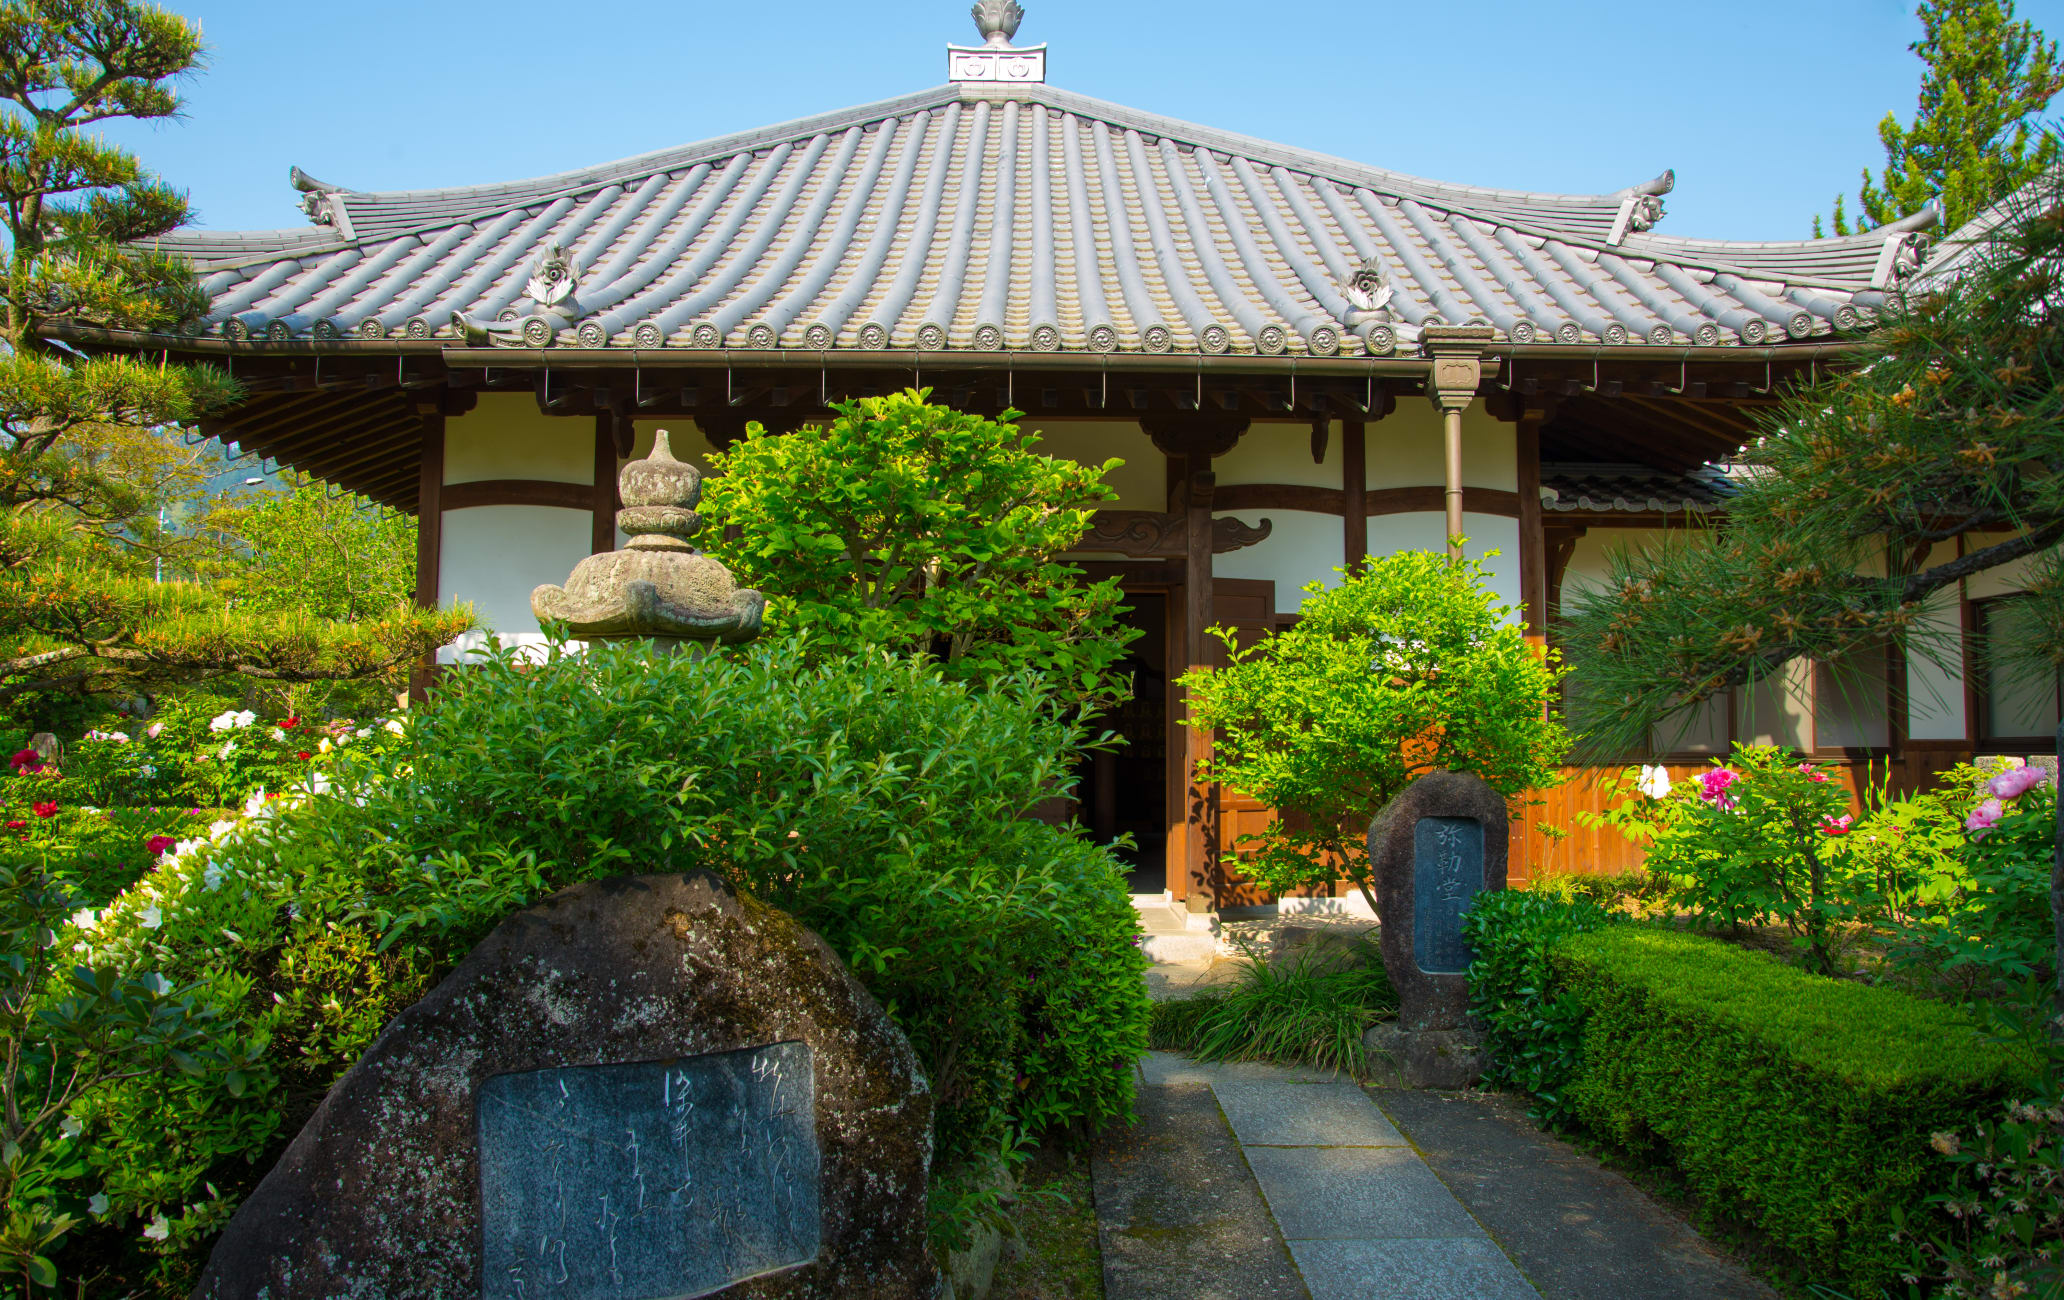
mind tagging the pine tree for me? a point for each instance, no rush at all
(1973, 140)
(80, 607)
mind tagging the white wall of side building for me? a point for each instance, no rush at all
(494, 555)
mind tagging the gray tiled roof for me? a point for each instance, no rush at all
(1638, 488)
(1024, 219)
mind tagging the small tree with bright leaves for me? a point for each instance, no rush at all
(1408, 667)
(913, 526)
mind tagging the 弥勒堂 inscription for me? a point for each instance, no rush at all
(1447, 875)
(654, 1179)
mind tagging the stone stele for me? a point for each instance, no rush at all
(641, 1087)
(1432, 850)
(659, 587)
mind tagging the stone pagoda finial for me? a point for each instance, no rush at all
(659, 587)
(997, 21)
(996, 60)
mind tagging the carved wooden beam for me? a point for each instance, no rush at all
(1147, 534)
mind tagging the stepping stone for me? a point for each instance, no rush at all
(1363, 1193)
(1178, 1214)
(1410, 1269)
(1304, 1115)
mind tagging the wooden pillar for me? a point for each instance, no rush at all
(1200, 847)
(1533, 545)
(603, 536)
(1354, 492)
(1190, 441)
(429, 532)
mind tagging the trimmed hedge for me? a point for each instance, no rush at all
(1796, 1103)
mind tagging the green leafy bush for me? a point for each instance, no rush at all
(880, 803)
(1532, 1033)
(1407, 666)
(1311, 1010)
(1800, 1105)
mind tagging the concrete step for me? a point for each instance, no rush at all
(1177, 936)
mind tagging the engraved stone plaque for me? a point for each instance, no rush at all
(649, 1181)
(1447, 875)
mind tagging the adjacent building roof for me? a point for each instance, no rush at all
(1018, 218)
(1638, 489)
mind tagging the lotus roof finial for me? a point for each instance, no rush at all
(998, 21)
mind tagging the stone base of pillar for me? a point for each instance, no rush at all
(1426, 1058)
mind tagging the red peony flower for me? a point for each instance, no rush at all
(159, 843)
(48, 808)
(290, 724)
(304, 756)
(27, 760)
(17, 825)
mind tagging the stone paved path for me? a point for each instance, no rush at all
(1341, 1194)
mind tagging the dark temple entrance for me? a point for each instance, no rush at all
(1125, 791)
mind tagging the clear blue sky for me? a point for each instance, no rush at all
(1765, 107)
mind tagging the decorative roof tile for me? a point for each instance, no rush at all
(1633, 488)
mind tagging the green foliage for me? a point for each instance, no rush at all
(1950, 421)
(71, 1033)
(1998, 1228)
(323, 554)
(878, 802)
(1309, 1010)
(1800, 1105)
(1532, 1032)
(1405, 667)
(1973, 139)
(922, 529)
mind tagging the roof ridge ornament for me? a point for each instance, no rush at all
(550, 288)
(1641, 206)
(324, 204)
(996, 61)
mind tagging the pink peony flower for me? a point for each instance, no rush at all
(28, 760)
(2016, 781)
(154, 730)
(1836, 825)
(1808, 770)
(159, 843)
(1983, 818)
(1713, 786)
(48, 808)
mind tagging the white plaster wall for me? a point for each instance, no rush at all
(1935, 664)
(1408, 448)
(1272, 451)
(506, 436)
(1303, 547)
(1423, 530)
(1778, 710)
(494, 555)
(1141, 482)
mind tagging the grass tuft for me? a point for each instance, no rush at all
(1310, 1010)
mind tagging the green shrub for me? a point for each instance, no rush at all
(1801, 1105)
(1311, 1010)
(1531, 1032)
(881, 804)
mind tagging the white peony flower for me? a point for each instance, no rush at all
(256, 803)
(323, 748)
(1654, 782)
(394, 725)
(216, 830)
(244, 718)
(222, 722)
(160, 1228)
(278, 734)
(112, 737)
(363, 732)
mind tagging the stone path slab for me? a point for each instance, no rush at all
(1579, 1230)
(1178, 1214)
(1229, 1159)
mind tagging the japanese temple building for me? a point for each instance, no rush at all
(1302, 361)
